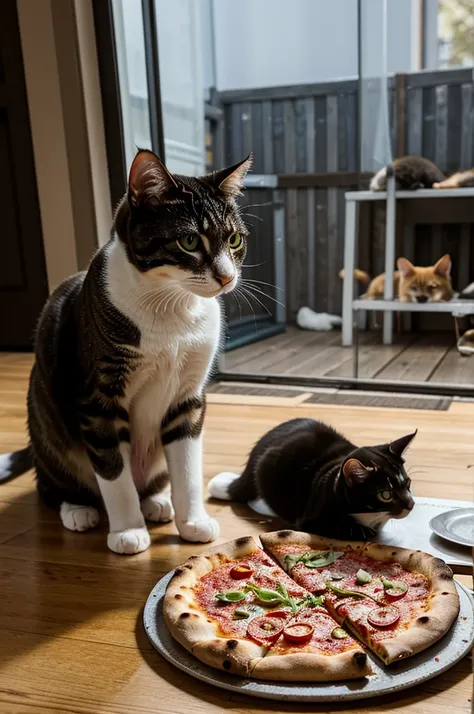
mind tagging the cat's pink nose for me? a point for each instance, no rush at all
(224, 279)
(410, 504)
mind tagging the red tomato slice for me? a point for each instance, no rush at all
(265, 630)
(299, 633)
(239, 572)
(387, 616)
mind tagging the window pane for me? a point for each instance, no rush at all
(129, 38)
(182, 93)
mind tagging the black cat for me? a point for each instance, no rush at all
(315, 479)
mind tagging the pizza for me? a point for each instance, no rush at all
(307, 608)
(236, 610)
(395, 601)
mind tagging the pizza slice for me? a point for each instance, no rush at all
(234, 607)
(396, 601)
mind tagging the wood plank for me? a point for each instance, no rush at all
(467, 126)
(415, 121)
(267, 123)
(420, 361)
(302, 151)
(373, 356)
(429, 123)
(289, 134)
(441, 100)
(454, 156)
(258, 134)
(454, 369)
(278, 126)
(247, 134)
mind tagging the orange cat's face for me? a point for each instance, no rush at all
(430, 284)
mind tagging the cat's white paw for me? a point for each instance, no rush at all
(129, 542)
(78, 518)
(202, 530)
(157, 508)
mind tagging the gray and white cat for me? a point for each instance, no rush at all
(116, 400)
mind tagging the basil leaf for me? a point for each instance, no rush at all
(265, 595)
(231, 596)
(311, 601)
(291, 560)
(351, 593)
(321, 560)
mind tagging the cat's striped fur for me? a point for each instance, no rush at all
(117, 393)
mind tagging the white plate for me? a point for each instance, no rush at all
(455, 645)
(456, 525)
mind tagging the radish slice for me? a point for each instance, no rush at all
(386, 616)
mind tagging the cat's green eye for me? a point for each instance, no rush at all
(188, 244)
(235, 241)
(385, 496)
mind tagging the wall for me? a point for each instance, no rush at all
(282, 42)
(67, 132)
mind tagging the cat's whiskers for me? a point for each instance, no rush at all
(262, 282)
(261, 292)
(239, 291)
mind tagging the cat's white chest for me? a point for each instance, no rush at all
(174, 356)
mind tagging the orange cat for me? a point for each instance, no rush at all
(412, 283)
(462, 179)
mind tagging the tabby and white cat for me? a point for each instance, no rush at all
(316, 480)
(116, 400)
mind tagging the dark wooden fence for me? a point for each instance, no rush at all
(308, 136)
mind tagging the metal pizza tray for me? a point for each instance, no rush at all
(455, 645)
(456, 525)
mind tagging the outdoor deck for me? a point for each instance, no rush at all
(428, 357)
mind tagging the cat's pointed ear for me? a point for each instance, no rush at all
(443, 266)
(149, 179)
(355, 472)
(230, 181)
(399, 446)
(405, 267)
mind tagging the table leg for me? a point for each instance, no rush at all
(389, 259)
(350, 241)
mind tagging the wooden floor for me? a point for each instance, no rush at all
(71, 635)
(412, 358)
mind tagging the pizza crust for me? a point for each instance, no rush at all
(443, 604)
(191, 627)
(313, 667)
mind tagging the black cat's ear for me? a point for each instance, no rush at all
(230, 181)
(149, 179)
(355, 473)
(399, 446)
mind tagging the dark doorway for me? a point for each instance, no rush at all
(23, 281)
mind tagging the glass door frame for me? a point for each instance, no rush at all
(110, 90)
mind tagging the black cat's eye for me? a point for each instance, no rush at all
(385, 496)
(235, 241)
(189, 244)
